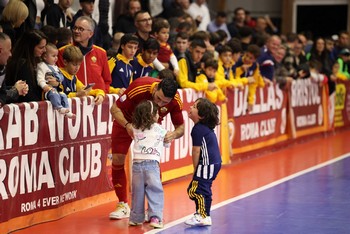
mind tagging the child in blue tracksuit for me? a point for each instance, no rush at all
(206, 159)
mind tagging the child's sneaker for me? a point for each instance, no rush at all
(156, 222)
(122, 211)
(63, 110)
(198, 220)
(146, 216)
(131, 223)
(70, 115)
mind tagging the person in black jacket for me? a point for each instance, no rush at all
(20, 87)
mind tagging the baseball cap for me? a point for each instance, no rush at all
(87, 1)
(345, 51)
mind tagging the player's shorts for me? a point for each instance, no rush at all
(120, 139)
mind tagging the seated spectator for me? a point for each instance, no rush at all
(160, 30)
(72, 86)
(143, 64)
(125, 22)
(224, 77)
(20, 88)
(13, 16)
(219, 23)
(22, 65)
(207, 75)
(247, 67)
(120, 67)
(190, 66)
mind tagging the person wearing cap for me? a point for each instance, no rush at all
(87, 8)
(343, 60)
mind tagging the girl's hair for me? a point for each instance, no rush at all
(143, 116)
(14, 11)
(208, 112)
(72, 54)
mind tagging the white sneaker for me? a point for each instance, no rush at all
(198, 220)
(121, 212)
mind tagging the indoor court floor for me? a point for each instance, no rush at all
(302, 188)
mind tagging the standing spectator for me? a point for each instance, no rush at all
(143, 63)
(125, 22)
(342, 43)
(206, 159)
(160, 30)
(247, 67)
(146, 177)
(20, 88)
(120, 67)
(94, 68)
(181, 45)
(143, 23)
(36, 8)
(64, 37)
(266, 60)
(200, 13)
(23, 63)
(190, 68)
(72, 86)
(13, 16)
(87, 7)
(164, 93)
(206, 75)
(220, 22)
(57, 15)
(343, 61)
(237, 22)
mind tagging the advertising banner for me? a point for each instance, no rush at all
(264, 126)
(342, 104)
(308, 107)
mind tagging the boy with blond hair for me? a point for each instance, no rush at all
(72, 86)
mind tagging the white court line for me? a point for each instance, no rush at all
(277, 182)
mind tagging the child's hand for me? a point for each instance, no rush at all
(50, 80)
(212, 86)
(47, 88)
(176, 72)
(251, 80)
(82, 93)
(99, 99)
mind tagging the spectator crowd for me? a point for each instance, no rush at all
(209, 55)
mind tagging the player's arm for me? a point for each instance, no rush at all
(177, 133)
(118, 116)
